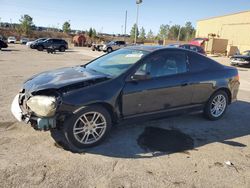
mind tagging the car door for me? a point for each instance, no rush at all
(122, 44)
(115, 45)
(167, 86)
(47, 43)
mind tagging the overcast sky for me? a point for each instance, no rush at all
(108, 15)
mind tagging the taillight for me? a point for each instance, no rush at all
(237, 77)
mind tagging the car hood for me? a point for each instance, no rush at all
(70, 78)
(241, 56)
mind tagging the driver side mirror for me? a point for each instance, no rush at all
(140, 75)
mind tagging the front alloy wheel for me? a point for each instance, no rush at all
(216, 106)
(62, 49)
(87, 128)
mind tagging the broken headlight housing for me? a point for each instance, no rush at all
(44, 106)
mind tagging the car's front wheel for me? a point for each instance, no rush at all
(40, 48)
(87, 128)
(62, 49)
(216, 105)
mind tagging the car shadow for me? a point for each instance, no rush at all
(176, 134)
(70, 51)
(9, 50)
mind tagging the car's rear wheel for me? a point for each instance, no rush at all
(216, 105)
(40, 48)
(86, 128)
(109, 50)
(62, 49)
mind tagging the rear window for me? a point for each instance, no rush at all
(199, 62)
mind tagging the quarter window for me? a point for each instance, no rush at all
(199, 62)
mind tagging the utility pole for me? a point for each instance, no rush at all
(125, 26)
(138, 2)
(179, 33)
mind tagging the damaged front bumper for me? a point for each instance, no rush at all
(39, 123)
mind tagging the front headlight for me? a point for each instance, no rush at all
(44, 106)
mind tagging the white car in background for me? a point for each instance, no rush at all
(24, 40)
(12, 40)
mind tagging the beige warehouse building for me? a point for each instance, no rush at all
(234, 27)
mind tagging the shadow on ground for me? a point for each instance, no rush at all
(9, 50)
(176, 134)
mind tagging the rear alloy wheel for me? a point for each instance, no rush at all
(40, 48)
(109, 50)
(216, 106)
(62, 49)
(87, 128)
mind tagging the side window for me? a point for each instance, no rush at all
(165, 64)
(194, 48)
(198, 62)
(186, 47)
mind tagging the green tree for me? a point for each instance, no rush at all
(94, 34)
(90, 32)
(142, 34)
(173, 32)
(26, 23)
(163, 32)
(189, 31)
(134, 30)
(150, 34)
(66, 27)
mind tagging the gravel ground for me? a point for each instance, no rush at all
(30, 158)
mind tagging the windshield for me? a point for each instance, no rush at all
(117, 62)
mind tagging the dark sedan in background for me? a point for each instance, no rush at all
(57, 44)
(3, 44)
(242, 59)
(134, 83)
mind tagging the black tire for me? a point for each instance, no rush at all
(209, 106)
(62, 49)
(40, 48)
(70, 141)
(109, 50)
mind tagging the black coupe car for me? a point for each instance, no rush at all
(242, 59)
(140, 82)
(3, 44)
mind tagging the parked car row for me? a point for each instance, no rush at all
(39, 44)
(109, 47)
(13, 40)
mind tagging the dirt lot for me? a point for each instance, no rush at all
(29, 158)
